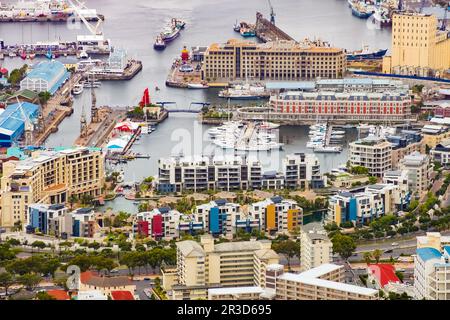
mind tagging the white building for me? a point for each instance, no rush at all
(373, 153)
(419, 171)
(46, 76)
(315, 246)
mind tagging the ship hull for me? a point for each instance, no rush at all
(367, 56)
(361, 15)
(172, 36)
(159, 47)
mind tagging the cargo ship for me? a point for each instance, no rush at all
(170, 33)
(366, 54)
(361, 9)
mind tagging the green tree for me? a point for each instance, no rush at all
(30, 280)
(44, 96)
(288, 248)
(376, 254)
(6, 281)
(38, 244)
(343, 245)
(367, 257)
(42, 295)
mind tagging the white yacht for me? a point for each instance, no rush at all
(77, 89)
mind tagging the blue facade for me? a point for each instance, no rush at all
(12, 122)
(352, 209)
(214, 223)
(76, 228)
(38, 219)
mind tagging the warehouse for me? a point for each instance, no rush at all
(46, 76)
(12, 122)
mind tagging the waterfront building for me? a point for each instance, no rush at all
(373, 153)
(418, 47)
(404, 144)
(360, 207)
(277, 60)
(50, 177)
(433, 240)
(441, 153)
(432, 273)
(302, 171)
(315, 247)
(201, 173)
(419, 171)
(165, 223)
(41, 215)
(231, 173)
(277, 215)
(45, 76)
(325, 282)
(118, 59)
(435, 134)
(12, 122)
(230, 264)
(83, 223)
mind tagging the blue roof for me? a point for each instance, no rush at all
(12, 122)
(47, 70)
(428, 253)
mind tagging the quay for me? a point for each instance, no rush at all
(128, 73)
(267, 31)
(61, 18)
(41, 49)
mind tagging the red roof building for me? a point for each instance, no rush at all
(382, 273)
(122, 295)
(59, 294)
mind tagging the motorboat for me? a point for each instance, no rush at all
(77, 89)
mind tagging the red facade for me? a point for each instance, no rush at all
(142, 228)
(442, 111)
(157, 226)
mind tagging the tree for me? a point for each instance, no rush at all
(6, 253)
(44, 96)
(288, 248)
(30, 280)
(377, 253)
(38, 244)
(6, 281)
(373, 180)
(367, 257)
(42, 295)
(343, 245)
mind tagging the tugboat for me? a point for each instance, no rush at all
(246, 31)
(361, 10)
(159, 44)
(237, 27)
(366, 54)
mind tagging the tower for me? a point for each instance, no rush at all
(83, 123)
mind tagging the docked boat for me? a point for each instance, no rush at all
(246, 31)
(84, 55)
(159, 44)
(381, 17)
(328, 149)
(244, 92)
(361, 10)
(237, 27)
(197, 86)
(366, 54)
(32, 56)
(78, 89)
(23, 55)
(92, 84)
(12, 54)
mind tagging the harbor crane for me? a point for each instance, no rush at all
(443, 26)
(272, 13)
(93, 29)
(29, 126)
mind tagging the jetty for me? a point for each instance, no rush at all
(133, 68)
(267, 31)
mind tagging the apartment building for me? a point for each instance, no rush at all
(435, 134)
(433, 240)
(419, 171)
(44, 218)
(230, 173)
(418, 46)
(397, 178)
(200, 173)
(277, 215)
(373, 153)
(277, 60)
(404, 144)
(361, 207)
(50, 177)
(302, 171)
(441, 153)
(325, 282)
(329, 105)
(315, 247)
(165, 223)
(230, 264)
(83, 223)
(432, 273)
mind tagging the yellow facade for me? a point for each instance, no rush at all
(432, 140)
(418, 47)
(338, 215)
(270, 217)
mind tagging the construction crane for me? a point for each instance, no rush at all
(443, 26)
(272, 13)
(93, 29)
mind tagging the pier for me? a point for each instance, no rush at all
(60, 18)
(129, 73)
(267, 31)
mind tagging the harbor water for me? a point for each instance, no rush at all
(206, 22)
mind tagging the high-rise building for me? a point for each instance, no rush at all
(419, 171)
(418, 47)
(315, 246)
(277, 60)
(50, 178)
(302, 171)
(373, 153)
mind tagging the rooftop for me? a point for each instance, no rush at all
(428, 253)
(384, 272)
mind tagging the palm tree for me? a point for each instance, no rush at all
(377, 253)
(367, 257)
